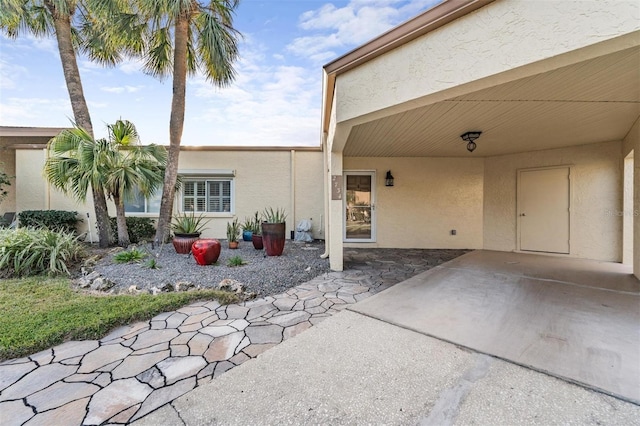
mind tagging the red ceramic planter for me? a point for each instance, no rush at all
(206, 251)
(257, 242)
(182, 242)
(273, 238)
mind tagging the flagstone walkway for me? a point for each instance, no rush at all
(138, 368)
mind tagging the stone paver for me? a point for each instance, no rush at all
(140, 368)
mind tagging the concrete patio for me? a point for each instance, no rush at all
(572, 318)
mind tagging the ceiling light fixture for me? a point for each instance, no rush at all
(470, 138)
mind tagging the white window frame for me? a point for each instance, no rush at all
(206, 179)
(146, 212)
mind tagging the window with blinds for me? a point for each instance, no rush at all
(211, 195)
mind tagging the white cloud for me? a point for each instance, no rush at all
(35, 111)
(268, 104)
(121, 89)
(131, 65)
(10, 74)
(334, 28)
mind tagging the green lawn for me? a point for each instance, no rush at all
(40, 312)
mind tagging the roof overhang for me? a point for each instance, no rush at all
(8, 131)
(430, 20)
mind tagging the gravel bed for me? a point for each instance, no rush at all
(264, 275)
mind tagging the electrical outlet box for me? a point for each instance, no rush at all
(453, 232)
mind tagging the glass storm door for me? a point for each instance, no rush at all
(359, 207)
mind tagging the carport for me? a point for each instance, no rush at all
(555, 93)
(572, 318)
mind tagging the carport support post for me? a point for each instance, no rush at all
(336, 211)
(636, 208)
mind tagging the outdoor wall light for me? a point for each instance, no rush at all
(388, 180)
(470, 138)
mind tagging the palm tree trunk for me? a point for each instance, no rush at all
(121, 222)
(62, 25)
(176, 124)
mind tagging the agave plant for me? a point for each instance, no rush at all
(233, 231)
(274, 216)
(188, 223)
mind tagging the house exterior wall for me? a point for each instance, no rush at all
(492, 45)
(632, 143)
(33, 192)
(596, 179)
(431, 196)
(309, 191)
(263, 179)
(8, 165)
(31, 189)
(628, 212)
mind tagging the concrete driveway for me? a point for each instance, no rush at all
(376, 362)
(575, 319)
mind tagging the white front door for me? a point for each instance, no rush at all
(359, 205)
(544, 209)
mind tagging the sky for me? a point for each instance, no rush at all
(275, 100)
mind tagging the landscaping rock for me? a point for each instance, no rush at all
(102, 284)
(259, 276)
(184, 286)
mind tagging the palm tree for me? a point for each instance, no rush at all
(203, 40)
(87, 25)
(118, 165)
(131, 168)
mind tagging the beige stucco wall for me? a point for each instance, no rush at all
(263, 179)
(596, 178)
(431, 196)
(309, 190)
(8, 165)
(33, 193)
(628, 211)
(632, 143)
(30, 185)
(503, 41)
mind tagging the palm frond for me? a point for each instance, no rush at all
(217, 47)
(159, 57)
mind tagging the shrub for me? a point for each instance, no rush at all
(139, 228)
(54, 220)
(128, 256)
(32, 251)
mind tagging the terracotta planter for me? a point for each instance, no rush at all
(183, 242)
(257, 242)
(233, 245)
(206, 251)
(273, 238)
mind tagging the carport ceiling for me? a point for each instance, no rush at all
(593, 101)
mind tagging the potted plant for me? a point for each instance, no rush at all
(273, 230)
(256, 237)
(233, 233)
(186, 231)
(247, 229)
